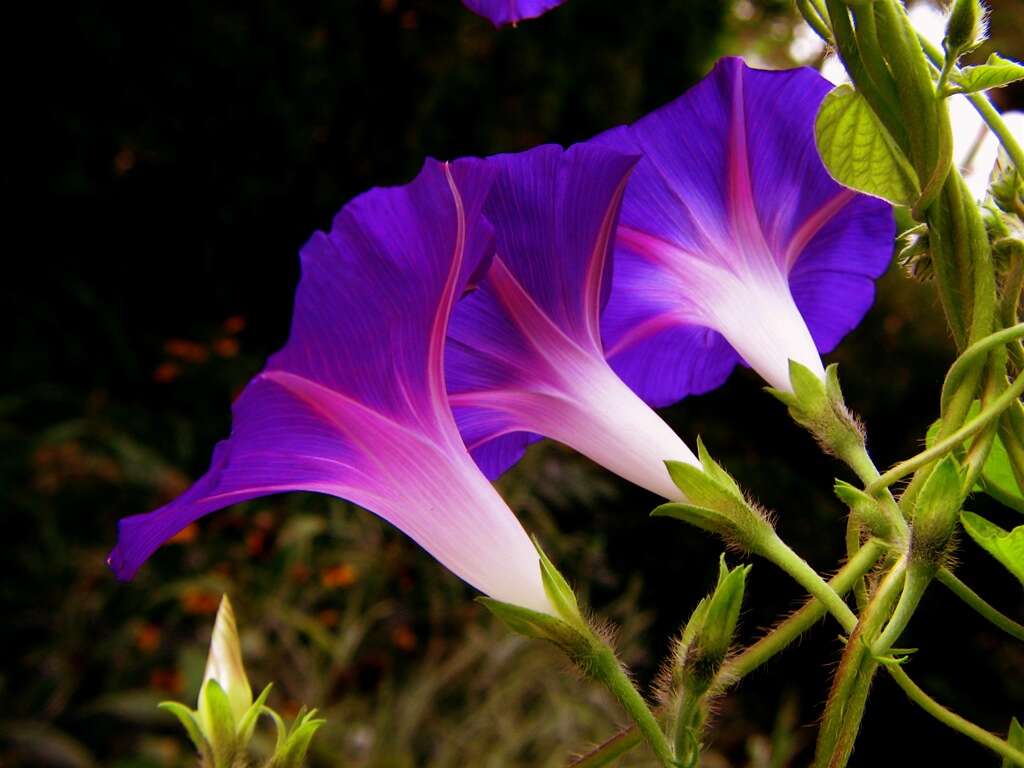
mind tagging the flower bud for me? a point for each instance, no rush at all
(224, 662)
(965, 28)
(709, 632)
(935, 514)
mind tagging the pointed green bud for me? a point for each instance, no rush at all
(818, 406)
(224, 662)
(709, 632)
(915, 256)
(1015, 738)
(865, 510)
(965, 29)
(715, 502)
(935, 514)
(293, 743)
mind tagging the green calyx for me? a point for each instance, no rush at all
(818, 406)
(568, 630)
(714, 502)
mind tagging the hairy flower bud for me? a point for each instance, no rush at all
(965, 28)
(935, 514)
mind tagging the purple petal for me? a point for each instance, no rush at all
(502, 12)
(354, 405)
(524, 352)
(731, 223)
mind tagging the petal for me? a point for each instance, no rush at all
(731, 223)
(554, 213)
(502, 12)
(524, 352)
(361, 324)
(354, 405)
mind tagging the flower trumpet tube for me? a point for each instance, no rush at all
(734, 243)
(354, 405)
(525, 355)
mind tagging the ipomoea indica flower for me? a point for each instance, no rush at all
(354, 405)
(525, 355)
(502, 12)
(734, 243)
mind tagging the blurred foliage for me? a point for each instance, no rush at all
(173, 166)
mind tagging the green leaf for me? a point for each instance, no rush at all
(997, 478)
(994, 73)
(859, 152)
(1005, 546)
(188, 719)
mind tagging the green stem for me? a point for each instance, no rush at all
(948, 579)
(942, 447)
(775, 549)
(848, 697)
(984, 108)
(814, 19)
(741, 665)
(914, 586)
(606, 668)
(953, 720)
(975, 355)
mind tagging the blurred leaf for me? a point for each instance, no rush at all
(138, 707)
(1005, 546)
(42, 743)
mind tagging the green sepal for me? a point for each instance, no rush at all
(715, 471)
(562, 598)
(818, 406)
(218, 723)
(865, 509)
(576, 644)
(292, 744)
(1015, 738)
(1005, 546)
(714, 502)
(248, 722)
(187, 718)
(935, 512)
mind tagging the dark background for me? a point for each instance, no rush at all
(166, 172)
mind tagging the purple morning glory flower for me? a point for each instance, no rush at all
(354, 405)
(525, 355)
(734, 242)
(502, 12)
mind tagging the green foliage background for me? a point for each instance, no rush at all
(170, 167)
